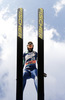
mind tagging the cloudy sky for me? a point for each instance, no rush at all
(54, 46)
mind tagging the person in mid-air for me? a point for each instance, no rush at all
(30, 65)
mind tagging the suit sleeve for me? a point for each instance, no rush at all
(23, 59)
(37, 57)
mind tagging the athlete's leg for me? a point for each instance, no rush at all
(34, 76)
(26, 75)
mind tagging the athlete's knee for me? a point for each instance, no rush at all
(36, 71)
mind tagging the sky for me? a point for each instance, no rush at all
(54, 46)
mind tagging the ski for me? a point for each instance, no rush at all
(40, 55)
(19, 91)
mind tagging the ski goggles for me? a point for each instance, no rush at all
(30, 46)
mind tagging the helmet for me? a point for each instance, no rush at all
(30, 46)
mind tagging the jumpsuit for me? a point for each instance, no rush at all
(30, 68)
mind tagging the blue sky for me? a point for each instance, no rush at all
(54, 46)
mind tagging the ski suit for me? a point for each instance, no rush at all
(30, 68)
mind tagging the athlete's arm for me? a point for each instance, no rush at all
(23, 59)
(37, 57)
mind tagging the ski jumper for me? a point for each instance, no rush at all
(30, 70)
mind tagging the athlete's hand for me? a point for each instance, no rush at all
(44, 75)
